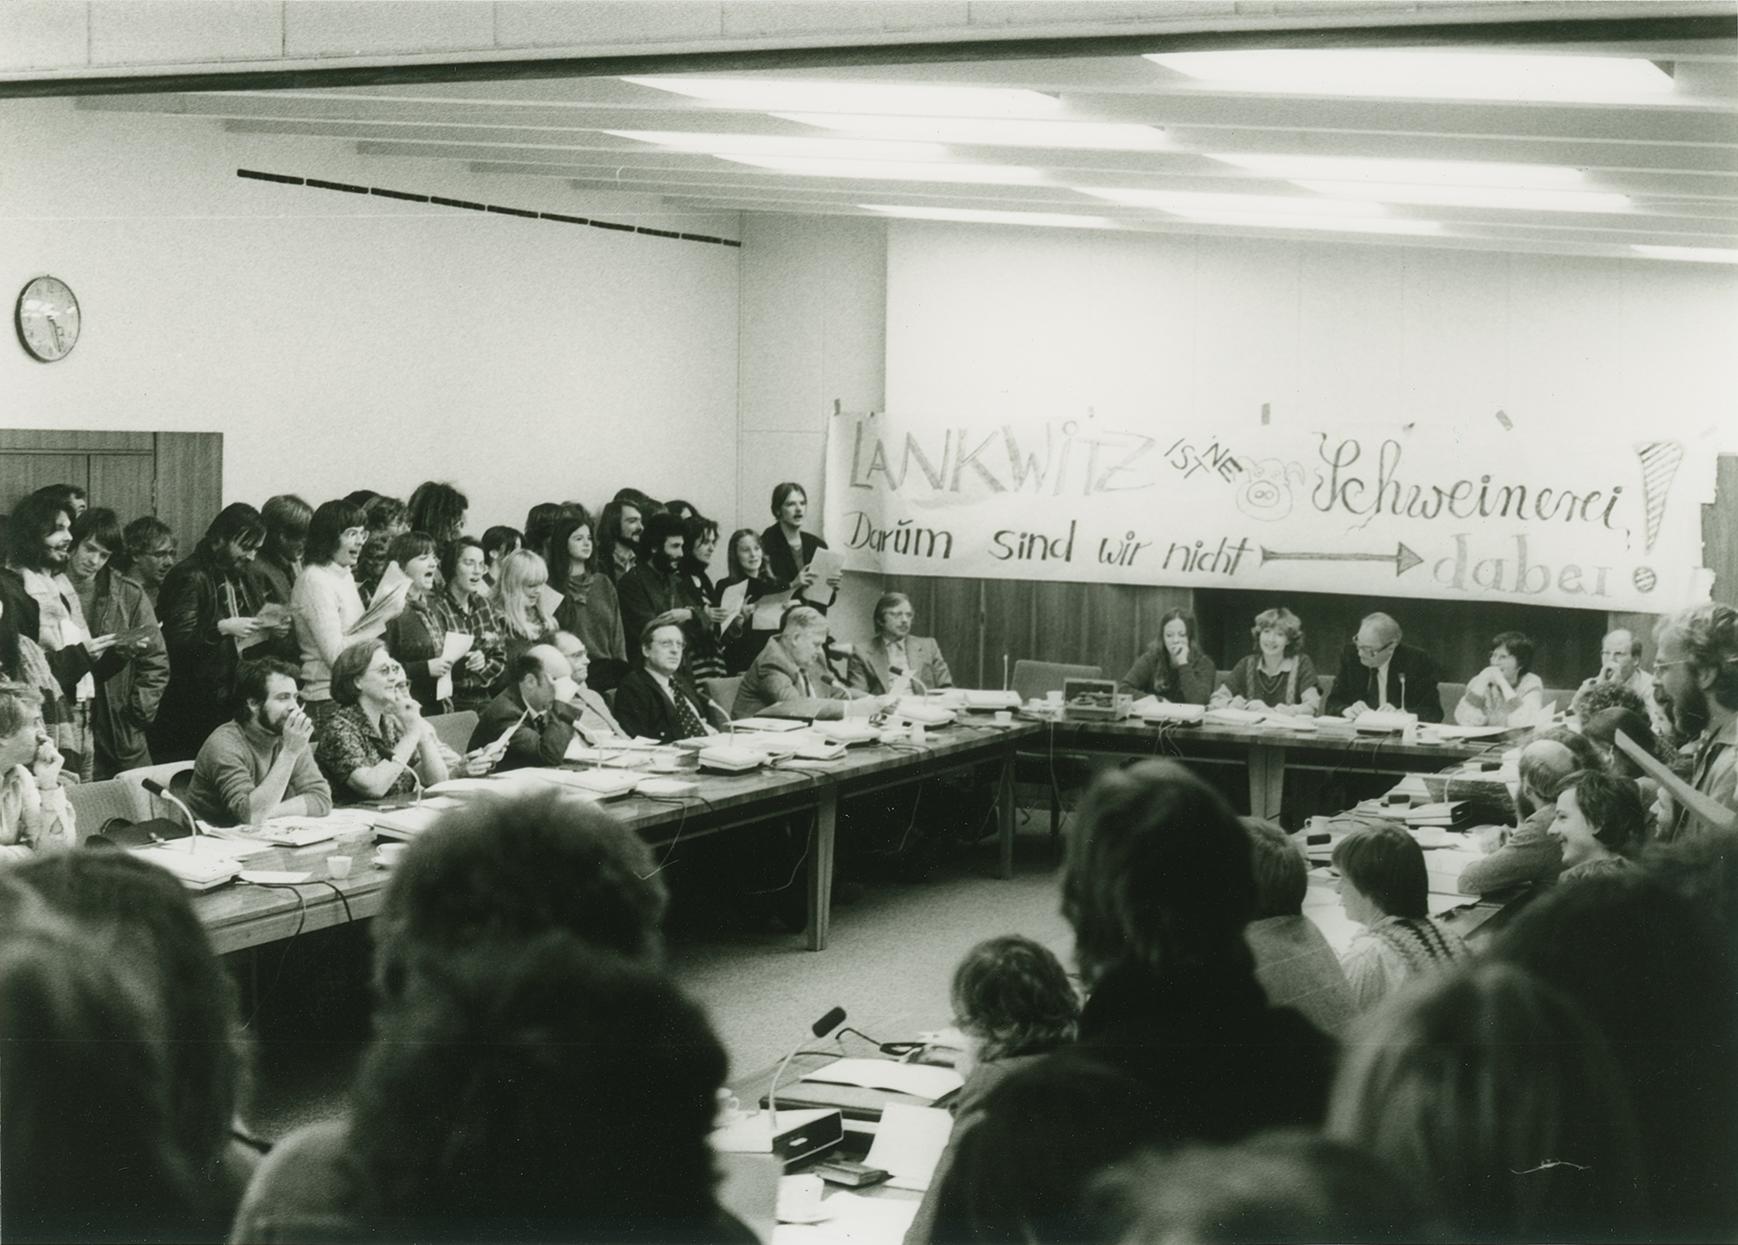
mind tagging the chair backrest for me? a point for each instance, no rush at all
(454, 729)
(94, 804)
(723, 691)
(1033, 678)
(175, 775)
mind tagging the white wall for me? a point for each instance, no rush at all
(341, 341)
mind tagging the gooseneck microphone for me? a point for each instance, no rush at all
(163, 793)
(821, 1028)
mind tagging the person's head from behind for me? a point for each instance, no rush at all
(286, 517)
(1278, 1186)
(87, 1143)
(267, 691)
(540, 520)
(1158, 876)
(1377, 638)
(513, 869)
(1696, 665)
(40, 533)
(151, 549)
(96, 537)
(499, 541)
(21, 731)
(1277, 633)
(682, 509)
(1490, 1093)
(438, 509)
(1598, 816)
(141, 917)
(1512, 655)
(1281, 873)
(540, 1089)
(1546, 762)
(803, 632)
(1382, 873)
(1595, 698)
(1011, 996)
(1601, 730)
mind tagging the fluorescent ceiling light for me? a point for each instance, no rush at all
(1477, 196)
(782, 94)
(896, 171)
(995, 132)
(1426, 75)
(1189, 202)
(1054, 220)
(784, 145)
(1416, 172)
(1694, 254)
(1339, 224)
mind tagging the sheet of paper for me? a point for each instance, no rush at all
(825, 564)
(909, 1142)
(133, 636)
(549, 599)
(455, 646)
(392, 579)
(853, 1219)
(769, 610)
(731, 598)
(1449, 730)
(274, 877)
(918, 1080)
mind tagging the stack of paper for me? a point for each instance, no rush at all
(919, 1080)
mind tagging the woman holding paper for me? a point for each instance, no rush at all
(328, 605)
(749, 580)
(589, 606)
(417, 638)
(526, 601)
(465, 607)
(209, 606)
(1507, 692)
(789, 549)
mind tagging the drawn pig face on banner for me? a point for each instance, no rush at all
(1266, 492)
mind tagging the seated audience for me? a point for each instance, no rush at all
(1620, 666)
(208, 607)
(1377, 671)
(526, 621)
(260, 764)
(492, 872)
(417, 637)
(127, 699)
(791, 679)
(1286, 1185)
(746, 562)
(1530, 853)
(439, 509)
(151, 551)
(465, 605)
(87, 1135)
(1696, 673)
(1173, 667)
(1278, 675)
(34, 813)
(594, 720)
(1384, 888)
(657, 587)
(1600, 821)
(1492, 1097)
(1293, 961)
(896, 662)
(286, 517)
(656, 700)
(788, 548)
(376, 743)
(1649, 969)
(618, 537)
(1506, 692)
(498, 542)
(143, 921)
(328, 605)
(387, 519)
(589, 606)
(542, 726)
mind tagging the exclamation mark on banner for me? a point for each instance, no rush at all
(1659, 466)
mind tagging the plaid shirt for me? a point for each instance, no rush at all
(480, 618)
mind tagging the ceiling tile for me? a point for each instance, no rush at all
(43, 34)
(186, 32)
(559, 23)
(385, 27)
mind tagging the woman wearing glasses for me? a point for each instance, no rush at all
(327, 603)
(376, 743)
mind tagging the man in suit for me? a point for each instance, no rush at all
(542, 725)
(657, 700)
(1377, 671)
(790, 680)
(896, 661)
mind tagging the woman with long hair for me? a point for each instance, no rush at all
(519, 598)
(589, 607)
(745, 562)
(1173, 667)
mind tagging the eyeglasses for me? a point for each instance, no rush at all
(1663, 665)
(1366, 651)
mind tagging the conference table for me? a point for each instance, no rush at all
(1267, 751)
(245, 915)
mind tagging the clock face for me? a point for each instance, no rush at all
(48, 319)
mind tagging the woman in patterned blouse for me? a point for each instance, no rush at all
(376, 744)
(465, 605)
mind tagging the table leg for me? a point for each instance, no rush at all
(1266, 780)
(821, 868)
(1005, 815)
(1055, 811)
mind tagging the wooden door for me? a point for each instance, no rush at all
(177, 476)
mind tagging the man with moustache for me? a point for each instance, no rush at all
(1620, 663)
(1696, 680)
(260, 765)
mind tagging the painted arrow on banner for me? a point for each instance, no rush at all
(1402, 558)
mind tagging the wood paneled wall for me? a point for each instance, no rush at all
(178, 476)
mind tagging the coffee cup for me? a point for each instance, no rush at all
(387, 854)
(338, 866)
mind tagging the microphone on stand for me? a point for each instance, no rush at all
(163, 793)
(821, 1028)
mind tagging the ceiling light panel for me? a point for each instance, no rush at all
(1511, 197)
(784, 145)
(1415, 172)
(1336, 224)
(1425, 75)
(1184, 202)
(1691, 254)
(994, 132)
(1051, 220)
(788, 95)
(896, 171)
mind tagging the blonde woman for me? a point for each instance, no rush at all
(519, 596)
(1278, 676)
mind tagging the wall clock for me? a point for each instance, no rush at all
(47, 318)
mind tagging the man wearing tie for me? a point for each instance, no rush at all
(790, 680)
(542, 725)
(594, 721)
(656, 699)
(1377, 671)
(896, 661)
